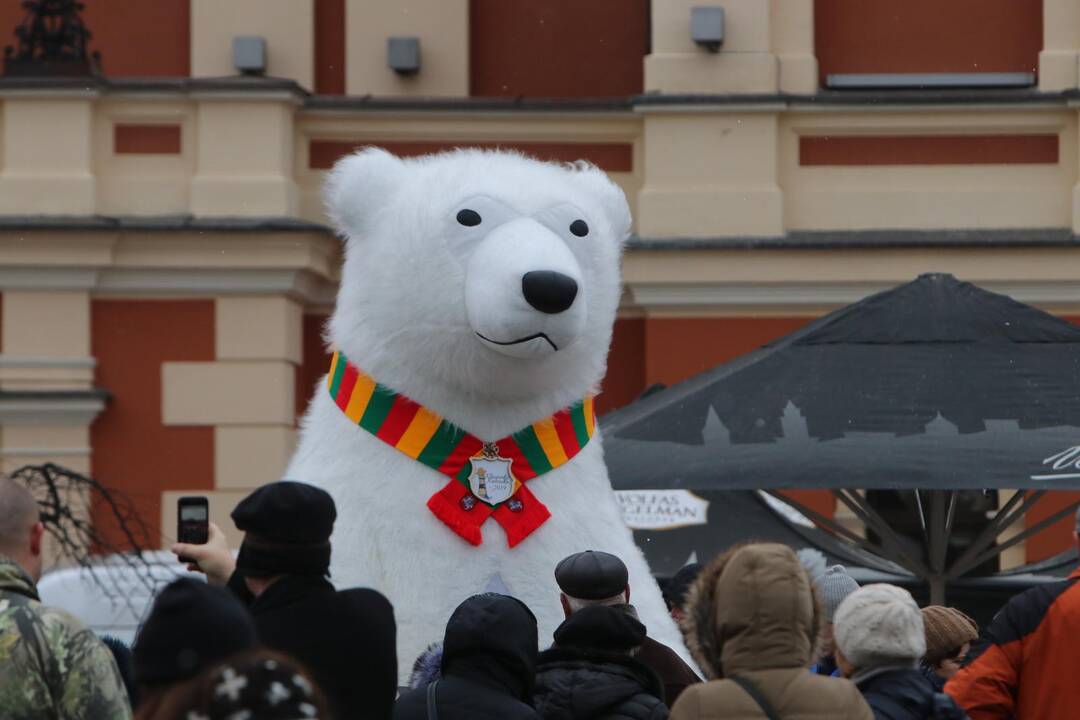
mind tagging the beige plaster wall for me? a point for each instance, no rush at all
(287, 25)
(443, 29)
(45, 151)
(928, 196)
(452, 127)
(228, 393)
(46, 324)
(1059, 62)
(744, 64)
(708, 174)
(244, 158)
(136, 184)
(258, 328)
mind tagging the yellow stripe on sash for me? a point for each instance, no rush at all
(419, 432)
(333, 368)
(590, 416)
(549, 441)
(361, 396)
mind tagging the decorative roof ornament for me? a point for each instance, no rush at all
(52, 41)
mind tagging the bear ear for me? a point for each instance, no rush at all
(359, 185)
(609, 195)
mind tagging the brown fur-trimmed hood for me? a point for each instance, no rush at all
(752, 608)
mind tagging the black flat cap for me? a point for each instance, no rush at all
(287, 512)
(591, 575)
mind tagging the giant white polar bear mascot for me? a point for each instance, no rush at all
(455, 429)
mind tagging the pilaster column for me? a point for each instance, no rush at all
(745, 63)
(46, 155)
(244, 157)
(248, 394)
(1059, 61)
(709, 171)
(47, 375)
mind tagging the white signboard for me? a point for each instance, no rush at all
(662, 509)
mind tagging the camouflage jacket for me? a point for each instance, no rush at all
(51, 665)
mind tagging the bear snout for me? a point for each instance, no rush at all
(548, 291)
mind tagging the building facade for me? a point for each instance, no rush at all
(166, 268)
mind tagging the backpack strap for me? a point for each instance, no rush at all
(755, 695)
(432, 711)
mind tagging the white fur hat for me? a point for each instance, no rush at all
(879, 625)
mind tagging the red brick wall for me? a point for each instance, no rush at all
(136, 38)
(132, 451)
(927, 36)
(330, 47)
(557, 48)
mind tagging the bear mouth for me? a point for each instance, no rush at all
(519, 341)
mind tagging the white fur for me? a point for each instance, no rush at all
(416, 288)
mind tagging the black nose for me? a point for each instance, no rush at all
(549, 291)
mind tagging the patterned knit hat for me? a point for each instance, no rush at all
(258, 686)
(947, 630)
(834, 585)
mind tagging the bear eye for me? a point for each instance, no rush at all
(468, 218)
(579, 228)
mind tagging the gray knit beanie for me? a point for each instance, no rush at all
(834, 585)
(879, 626)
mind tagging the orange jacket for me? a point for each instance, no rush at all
(1028, 662)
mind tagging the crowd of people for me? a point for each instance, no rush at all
(774, 634)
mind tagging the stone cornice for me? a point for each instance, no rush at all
(51, 407)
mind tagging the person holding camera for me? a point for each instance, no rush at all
(346, 638)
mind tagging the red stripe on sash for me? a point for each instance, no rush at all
(348, 382)
(397, 420)
(520, 467)
(469, 446)
(564, 427)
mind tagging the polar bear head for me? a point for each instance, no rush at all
(481, 284)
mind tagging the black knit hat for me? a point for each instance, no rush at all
(287, 528)
(679, 585)
(591, 575)
(191, 626)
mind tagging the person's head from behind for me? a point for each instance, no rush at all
(833, 586)
(878, 626)
(591, 578)
(752, 608)
(676, 590)
(257, 684)
(492, 635)
(287, 527)
(949, 634)
(21, 530)
(191, 627)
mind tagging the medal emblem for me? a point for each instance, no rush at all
(491, 480)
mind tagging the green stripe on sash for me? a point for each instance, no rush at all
(532, 450)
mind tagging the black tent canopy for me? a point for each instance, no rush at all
(934, 386)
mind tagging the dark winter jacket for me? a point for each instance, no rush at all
(589, 674)
(346, 639)
(905, 694)
(675, 675)
(488, 664)
(936, 681)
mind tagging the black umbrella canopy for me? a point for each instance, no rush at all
(936, 384)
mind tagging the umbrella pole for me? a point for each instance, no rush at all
(937, 548)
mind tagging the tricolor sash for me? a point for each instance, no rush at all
(486, 478)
